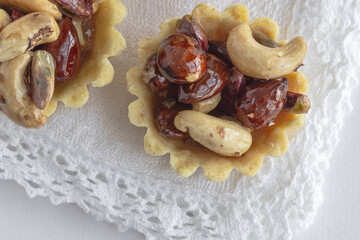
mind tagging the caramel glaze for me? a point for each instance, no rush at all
(215, 79)
(179, 57)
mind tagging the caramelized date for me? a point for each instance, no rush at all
(81, 9)
(219, 50)
(66, 51)
(156, 81)
(214, 80)
(181, 59)
(230, 92)
(259, 102)
(165, 116)
(193, 27)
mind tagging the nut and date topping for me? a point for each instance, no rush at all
(157, 82)
(181, 59)
(215, 79)
(193, 27)
(66, 51)
(259, 102)
(165, 116)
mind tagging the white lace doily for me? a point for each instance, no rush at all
(94, 157)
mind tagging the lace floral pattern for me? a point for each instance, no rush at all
(280, 201)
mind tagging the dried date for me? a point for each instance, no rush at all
(165, 116)
(66, 51)
(230, 92)
(157, 82)
(214, 80)
(181, 59)
(259, 102)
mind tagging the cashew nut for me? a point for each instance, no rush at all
(42, 79)
(33, 6)
(4, 19)
(207, 105)
(226, 138)
(27, 32)
(14, 99)
(258, 61)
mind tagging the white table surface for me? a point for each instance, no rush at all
(338, 217)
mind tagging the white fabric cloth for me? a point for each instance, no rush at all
(94, 157)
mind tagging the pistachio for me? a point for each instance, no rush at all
(193, 27)
(224, 137)
(263, 39)
(15, 100)
(4, 19)
(206, 106)
(42, 78)
(258, 61)
(24, 34)
(29, 6)
(296, 103)
(164, 119)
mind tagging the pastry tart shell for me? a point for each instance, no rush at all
(186, 156)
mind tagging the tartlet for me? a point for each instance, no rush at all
(186, 156)
(99, 41)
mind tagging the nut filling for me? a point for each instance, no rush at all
(41, 47)
(244, 94)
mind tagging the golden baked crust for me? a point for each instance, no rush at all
(97, 70)
(187, 156)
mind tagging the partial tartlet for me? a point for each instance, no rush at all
(187, 155)
(44, 75)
